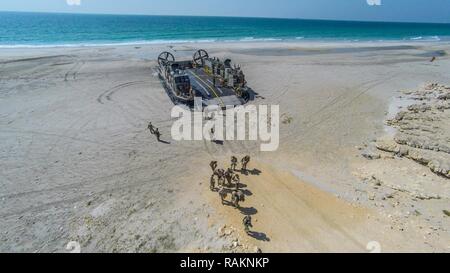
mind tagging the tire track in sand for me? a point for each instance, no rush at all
(110, 92)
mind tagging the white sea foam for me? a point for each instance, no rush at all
(252, 39)
(186, 41)
(93, 44)
(132, 43)
(426, 39)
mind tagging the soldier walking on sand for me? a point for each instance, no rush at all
(223, 195)
(235, 199)
(151, 128)
(158, 134)
(247, 221)
(221, 175)
(212, 182)
(212, 131)
(213, 165)
(234, 161)
(241, 195)
(245, 162)
(228, 176)
(236, 180)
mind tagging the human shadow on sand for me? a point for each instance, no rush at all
(259, 236)
(241, 185)
(163, 141)
(255, 172)
(250, 172)
(248, 211)
(246, 192)
(252, 95)
(227, 203)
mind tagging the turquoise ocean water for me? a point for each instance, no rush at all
(51, 29)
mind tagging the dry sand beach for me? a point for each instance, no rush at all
(77, 162)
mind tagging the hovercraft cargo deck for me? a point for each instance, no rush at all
(216, 82)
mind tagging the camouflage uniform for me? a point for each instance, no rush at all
(241, 195)
(235, 199)
(213, 165)
(245, 161)
(158, 134)
(151, 128)
(228, 176)
(236, 180)
(212, 183)
(223, 194)
(221, 176)
(247, 221)
(233, 163)
(212, 131)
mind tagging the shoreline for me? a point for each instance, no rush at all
(253, 41)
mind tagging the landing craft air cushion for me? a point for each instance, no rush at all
(216, 82)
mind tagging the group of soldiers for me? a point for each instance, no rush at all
(230, 181)
(154, 131)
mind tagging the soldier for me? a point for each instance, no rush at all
(158, 134)
(247, 221)
(223, 194)
(151, 128)
(244, 162)
(212, 131)
(213, 165)
(236, 180)
(228, 176)
(212, 183)
(241, 195)
(221, 175)
(233, 163)
(235, 198)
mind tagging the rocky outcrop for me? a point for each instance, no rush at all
(423, 129)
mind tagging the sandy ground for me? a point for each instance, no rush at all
(77, 163)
